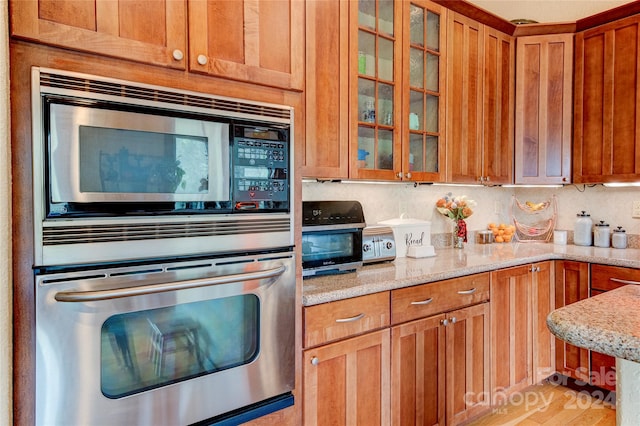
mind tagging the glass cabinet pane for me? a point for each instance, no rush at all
(366, 53)
(385, 59)
(416, 153)
(367, 13)
(385, 150)
(433, 31)
(366, 147)
(385, 104)
(431, 154)
(416, 68)
(366, 100)
(416, 18)
(385, 23)
(416, 110)
(432, 75)
(432, 114)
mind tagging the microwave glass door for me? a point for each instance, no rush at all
(108, 155)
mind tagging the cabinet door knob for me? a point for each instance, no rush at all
(178, 55)
(444, 322)
(202, 59)
(453, 320)
(409, 175)
(487, 179)
(399, 175)
(315, 360)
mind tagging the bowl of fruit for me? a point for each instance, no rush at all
(502, 233)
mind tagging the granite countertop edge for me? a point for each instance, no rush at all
(595, 324)
(452, 263)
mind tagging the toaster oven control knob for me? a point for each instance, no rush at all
(178, 55)
(366, 247)
(389, 245)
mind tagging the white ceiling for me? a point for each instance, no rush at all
(547, 11)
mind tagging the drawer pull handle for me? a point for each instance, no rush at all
(471, 291)
(423, 302)
(356, 318)
(618, 280)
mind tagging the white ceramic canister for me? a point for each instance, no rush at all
(602, 235)
(582, 234)
(619, 238)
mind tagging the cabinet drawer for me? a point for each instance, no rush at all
(337, 320)
(605, 277)
(427, 299)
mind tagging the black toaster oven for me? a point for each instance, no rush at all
(331, 237)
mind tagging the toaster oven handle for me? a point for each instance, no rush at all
(92, 296)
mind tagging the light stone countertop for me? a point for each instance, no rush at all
(596, 324)
(451, 263)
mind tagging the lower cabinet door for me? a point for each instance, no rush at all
(468, 363)
(418, 372)
(348, 382)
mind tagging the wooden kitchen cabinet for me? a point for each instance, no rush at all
(253, 41)
(375, 34)
(440, 363)
(423, 91)
(348, 382)
(326, 143)
(250, 40)
(122, 29)
(480, 103)
(544, 107)
(571, 285)
(603, 279)
(522, 346)
(607, 103)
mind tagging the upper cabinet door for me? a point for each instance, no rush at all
(122, 29)
(423, 89)
(375, 52)
(498, 98)
(464, 99)
(544, 106)
(255, 41)
(607, 103)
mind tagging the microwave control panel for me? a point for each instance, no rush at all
(260, 172)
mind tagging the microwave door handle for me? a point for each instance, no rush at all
(97, 295)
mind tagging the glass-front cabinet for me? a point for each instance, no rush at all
(423, 92)
(375, 136)
(396, 107)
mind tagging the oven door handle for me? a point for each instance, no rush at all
(92, 296)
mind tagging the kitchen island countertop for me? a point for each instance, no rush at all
(451, 263)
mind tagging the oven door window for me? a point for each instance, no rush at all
(148, 349)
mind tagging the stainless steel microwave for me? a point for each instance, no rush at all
(120, 161)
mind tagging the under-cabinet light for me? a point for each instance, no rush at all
(620, 184)
(532, 186)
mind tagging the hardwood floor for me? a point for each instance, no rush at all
(553, 405)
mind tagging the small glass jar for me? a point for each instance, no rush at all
(602, 235)
(619, 238)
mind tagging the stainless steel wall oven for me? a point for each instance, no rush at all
(164, 264)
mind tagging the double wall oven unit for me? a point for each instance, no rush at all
(164, 265)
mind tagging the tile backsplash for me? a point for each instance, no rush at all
(388, 201)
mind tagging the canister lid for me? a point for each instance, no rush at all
(583, 214)
(602, 223)
(620, 229)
